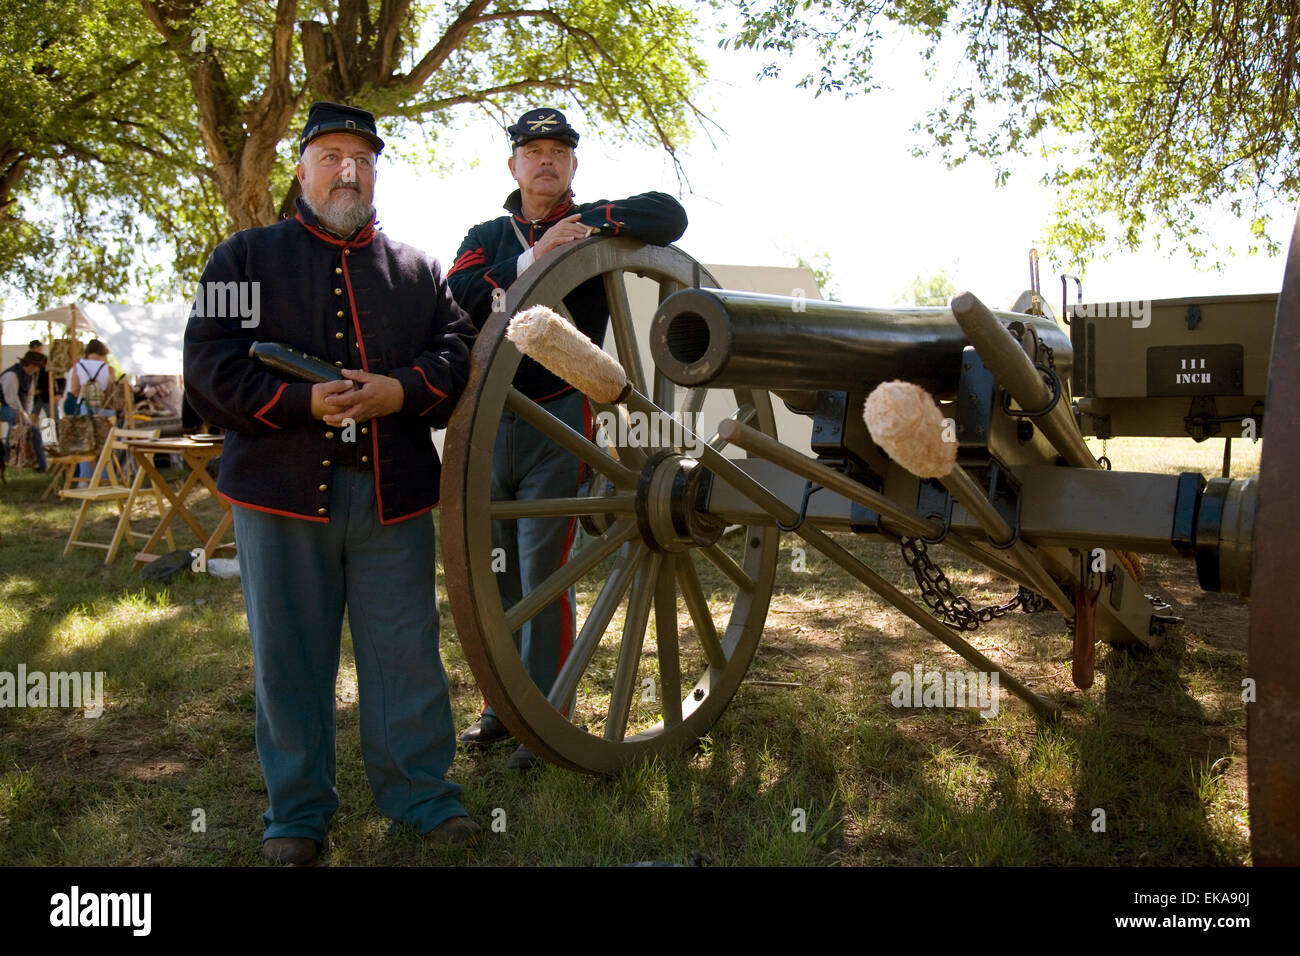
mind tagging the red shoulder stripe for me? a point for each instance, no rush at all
(470, 258)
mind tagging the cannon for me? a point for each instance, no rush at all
(681, 525)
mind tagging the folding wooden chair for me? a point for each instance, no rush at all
(106, 484)
(63, 472)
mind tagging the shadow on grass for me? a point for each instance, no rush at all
(826, 772)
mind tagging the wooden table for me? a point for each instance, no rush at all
(196, 455)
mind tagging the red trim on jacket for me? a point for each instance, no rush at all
(559, 209)
(609, 208)
(317, 518)
(274, 511)
(362, 238)
(400, 518)
(441, 395)
(274, 398)
(472, 257)
(356, 326)
(546, 398)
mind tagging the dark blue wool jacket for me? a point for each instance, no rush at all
(367, 303)
(487, 258)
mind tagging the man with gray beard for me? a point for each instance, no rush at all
(334, 484)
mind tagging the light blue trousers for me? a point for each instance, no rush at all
(298, 576)
(527, 464)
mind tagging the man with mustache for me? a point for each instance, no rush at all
(525, 464)
(334, 484)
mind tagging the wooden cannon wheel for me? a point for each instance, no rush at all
(1273, 719)
(629, 701)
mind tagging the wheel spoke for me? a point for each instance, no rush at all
(623, 578)
(693, 594)
(593, 628)
(728, 566)
(507, 510)
(693, 402)
(629, 651)
(563, 435)
(557, 583)
(670, 667)
(665, 393)
(667, 287)
(620, 317)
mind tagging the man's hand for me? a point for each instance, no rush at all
(322, 390)
(565, 231)
(374, 397)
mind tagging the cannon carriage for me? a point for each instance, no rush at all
(681, 525)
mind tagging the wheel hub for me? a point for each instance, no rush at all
(671, 504)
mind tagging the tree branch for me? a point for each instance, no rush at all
(559, 21)
(448, 42)
(478, 96)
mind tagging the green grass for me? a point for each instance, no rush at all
(823, 773)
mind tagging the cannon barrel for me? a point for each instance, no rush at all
(723, 338)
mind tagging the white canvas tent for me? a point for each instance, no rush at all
(143, 339)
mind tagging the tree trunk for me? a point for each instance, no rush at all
(241, 143)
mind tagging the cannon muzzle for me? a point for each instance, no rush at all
(722, 338)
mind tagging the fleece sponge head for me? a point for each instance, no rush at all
(904, 420)
(544, 336)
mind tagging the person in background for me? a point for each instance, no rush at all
(16, 396)
(543, 219)
(88, 383)
(90, 379)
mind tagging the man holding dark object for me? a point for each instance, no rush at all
(333, 485)
(525, 464)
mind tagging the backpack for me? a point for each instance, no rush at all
(91, 392)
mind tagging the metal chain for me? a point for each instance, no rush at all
(936, 590)
(954, 610)
(1042, 347)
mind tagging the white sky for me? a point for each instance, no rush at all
(797, 175)
(791, 174)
